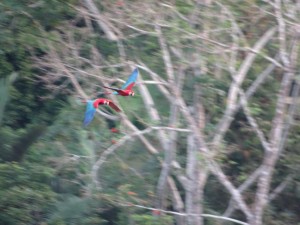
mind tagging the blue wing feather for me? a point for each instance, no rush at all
(89, 113)
(132, 78)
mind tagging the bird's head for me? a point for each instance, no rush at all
(106, 102)
(131, 93)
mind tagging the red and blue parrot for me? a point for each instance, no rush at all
(126, 89)
(92, 105)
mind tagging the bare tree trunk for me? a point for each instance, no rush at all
(196, 171)
(170, 148)
(190, 190)
(196, 174)
(177, 202)
(276, 133)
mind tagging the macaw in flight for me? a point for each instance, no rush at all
(92, 105)
(126, 89)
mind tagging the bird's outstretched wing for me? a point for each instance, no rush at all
(114, 106)
(131, 80)
(89, 113)
(115, 89)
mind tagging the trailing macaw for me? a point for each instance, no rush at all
(126, 89)
(92, 105)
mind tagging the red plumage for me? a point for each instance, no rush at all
(104, 101)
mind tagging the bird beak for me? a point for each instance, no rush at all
(132, 94)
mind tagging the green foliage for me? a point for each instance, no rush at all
(4, 89)
(106, 47)
(47, 157)
(21, 25)
(184, 7)
(144, 219)
(24, 192)
(75, 210)
(131, 169)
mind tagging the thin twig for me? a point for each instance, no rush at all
(185, 214)
(120, 142)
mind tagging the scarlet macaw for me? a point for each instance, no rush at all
(92, 105)
(126, 89)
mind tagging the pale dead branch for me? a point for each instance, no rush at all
(225, 121)
(124, 139)
(102, 22)
(185, 214)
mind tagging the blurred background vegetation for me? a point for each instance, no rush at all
(46, 156)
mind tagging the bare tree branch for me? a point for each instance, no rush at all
(290, 114)
(272, 155)
(253, 123)
(185, 214)
(176, 199)
(213, 166)
(225, 121)
(120, 142)
(247, 183)
(279, 188)
(100, 20)
(166, 55)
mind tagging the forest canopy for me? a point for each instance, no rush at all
(211, 135)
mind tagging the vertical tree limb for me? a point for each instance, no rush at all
(225, 121)
(276, 132)
(100, 20)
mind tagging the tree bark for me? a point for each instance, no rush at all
(100, 20)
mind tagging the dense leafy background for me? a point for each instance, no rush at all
(41, 179)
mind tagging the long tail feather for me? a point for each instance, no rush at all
(89, 113)
(114, 89)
